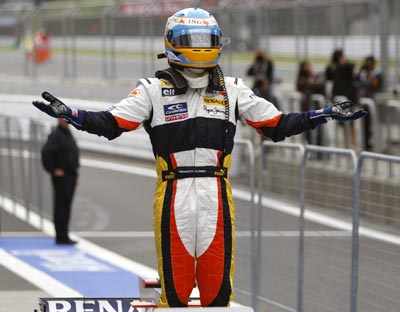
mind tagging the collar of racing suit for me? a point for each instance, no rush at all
(195, 80)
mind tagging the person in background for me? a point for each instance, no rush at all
(341, 73)
(307, 84)
(60, 158)
(370, 82)
(334, 63)
(261, 69)
(264, 91)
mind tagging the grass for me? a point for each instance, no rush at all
(241, 57)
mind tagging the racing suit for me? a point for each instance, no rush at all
(192, 137)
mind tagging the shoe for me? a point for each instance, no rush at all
(65, 241)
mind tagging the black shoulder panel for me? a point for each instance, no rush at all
(175, 78)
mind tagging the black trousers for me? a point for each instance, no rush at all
(63, 194)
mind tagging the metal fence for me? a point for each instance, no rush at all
(22, 179)
(322, 234)
(329, 262)
(119, 43)
(110, 40)
(378, 207)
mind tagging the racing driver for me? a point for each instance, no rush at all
(190, 112)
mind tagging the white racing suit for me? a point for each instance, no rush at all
(192, 140)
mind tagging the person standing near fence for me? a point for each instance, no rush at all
(190, 111)
(307, 84)
(370, 82)
(60, 158)
(340, 72)
(261, 69)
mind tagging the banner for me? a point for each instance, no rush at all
(88, 305)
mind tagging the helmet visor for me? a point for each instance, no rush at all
(196, 38)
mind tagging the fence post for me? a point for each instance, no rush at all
(21, 155)
(300, 257)
(355, 248)
(254, 263)
(2, 182)
(104, 43)
(113, 64)
(292, 146)
(73, 47)
(10, 161)
(384, 16)
(355, 217)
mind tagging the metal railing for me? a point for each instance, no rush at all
(321, 224)
(22, 179)
(273, 156)
(336, 264)
(245, 173)
(324, 186)
(375, 211)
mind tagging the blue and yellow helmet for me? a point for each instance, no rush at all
(193, 39)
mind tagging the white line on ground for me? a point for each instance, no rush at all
(21, 234)
(150, 234)
(266, 202)
(36, 277)
(48, 228)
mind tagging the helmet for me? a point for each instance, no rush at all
(193, 39)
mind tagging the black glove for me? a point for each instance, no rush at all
(57, 109)
(340, 110)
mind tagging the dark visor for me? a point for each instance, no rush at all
(197, 40)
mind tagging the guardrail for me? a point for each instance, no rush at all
(317, 186)
(358, 211)
(303, 183)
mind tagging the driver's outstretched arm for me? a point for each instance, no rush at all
(125, 116)
(263, 115)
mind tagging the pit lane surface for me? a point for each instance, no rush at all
(114, 210)
(120, 205)
(123, 202)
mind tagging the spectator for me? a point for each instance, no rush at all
(60, 158)
(264, 90)
(370, 82)
(307, 84)
(261, 69)
(341, 72)
(330, 69)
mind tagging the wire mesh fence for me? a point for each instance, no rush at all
(23, 181)
(379, 202)
(278, 234)
(245, 218)
(326, 259)
(122, 41)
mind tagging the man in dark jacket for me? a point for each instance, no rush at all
(60, 157)
(261, 69)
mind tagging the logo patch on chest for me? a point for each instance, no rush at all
(176, 111)
(214, 105)
(168, 91)
(212, 100)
